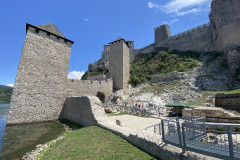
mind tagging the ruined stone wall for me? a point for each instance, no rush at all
(40, 84)
(119, 64)
(105, 53)
(228, 101)
(89, 87)
(82, 110)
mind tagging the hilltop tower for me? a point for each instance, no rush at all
(225, 22)
(119, 65)
(41, 81)
(162, 33)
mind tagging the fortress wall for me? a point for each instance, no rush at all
(40, 84)
(195, 39)
(82, 110)
(147, 49)
(89, 87)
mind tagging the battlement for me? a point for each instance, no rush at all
(191, 31)
(89, 87)
(118, 41)
(106, 81)
(47, 34)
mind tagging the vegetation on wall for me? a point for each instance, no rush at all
(94, 73)
(161, 62)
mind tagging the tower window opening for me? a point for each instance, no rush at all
(37, 31)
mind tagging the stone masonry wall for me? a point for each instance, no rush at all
(40, 84)
(228, 101)
(119, 64)
(89, 87)
(196, 39)
(80, 110)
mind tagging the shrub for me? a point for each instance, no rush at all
(220, 128)
(164, 55)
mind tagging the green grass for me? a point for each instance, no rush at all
(158, 88)
(93, 143)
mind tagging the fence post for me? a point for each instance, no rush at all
(230, 141)
(163, 135)
(159, 128)
(179, 132)
(184, 139)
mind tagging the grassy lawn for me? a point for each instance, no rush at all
(93, 143)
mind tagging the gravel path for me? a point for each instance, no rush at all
(135, 122)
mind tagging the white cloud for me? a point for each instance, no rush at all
(75, 74)
(170, 22)
(182, 7)
(152, 5)
(10, 85)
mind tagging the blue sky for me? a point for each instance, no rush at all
(92, 24)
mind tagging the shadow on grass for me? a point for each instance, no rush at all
(70, 124)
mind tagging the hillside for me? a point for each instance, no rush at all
(5, 94)
(161, 62)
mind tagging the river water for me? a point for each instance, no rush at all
(3, 119)
(18, 139)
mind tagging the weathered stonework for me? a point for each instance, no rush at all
(89, 87)
(40, 84)
(228, 101)
(82, 110)
(162, 33)
(119, 66)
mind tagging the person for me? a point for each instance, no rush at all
(160, 112)
(174, 114)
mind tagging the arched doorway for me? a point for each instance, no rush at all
(101, 96)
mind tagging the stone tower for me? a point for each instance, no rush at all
(162, 33)
(131, 50)
(105, 53)
(225, 22)
(40, 86)
(119, 66)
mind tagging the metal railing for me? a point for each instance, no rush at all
(193, 134)
(156, 128)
